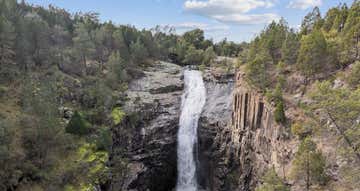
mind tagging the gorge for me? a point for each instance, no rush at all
(90, 104)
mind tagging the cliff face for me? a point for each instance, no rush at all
(258, 142)
(238, 138)
(216, 115)
(144, 143)
(242, 146)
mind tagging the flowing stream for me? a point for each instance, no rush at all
(193, 101)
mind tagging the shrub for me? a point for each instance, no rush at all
(117, 115)
(78, 125)
(272, 182)
(104, 141)
(300, 130)
(280, 113)
(354, 77)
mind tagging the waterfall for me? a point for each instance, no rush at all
(193, 100)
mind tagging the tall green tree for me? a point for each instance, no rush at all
(195, 38)
(342, 107)
(7, 38)
(120, 44)
(312, 21)
(117, 70)
(83, 42)
(352, 32)
(290, 48)
(312, 54)
(139, 53)
(309, 164)
(43, 138)
(256, 71)
(7, 45)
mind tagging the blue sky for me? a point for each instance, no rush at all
(237, 20)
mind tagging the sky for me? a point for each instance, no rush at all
(236, 20)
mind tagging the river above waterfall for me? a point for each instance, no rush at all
(193, 101)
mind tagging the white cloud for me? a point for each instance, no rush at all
(304, 4)
(232, 11)
(206, 27)
(247, 18)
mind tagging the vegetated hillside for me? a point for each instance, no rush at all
(311, 77)
(63, 77)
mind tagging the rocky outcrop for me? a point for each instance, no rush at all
(238, 138)
(215, 119)
(256, 139)
(146, 138)
(238, 150)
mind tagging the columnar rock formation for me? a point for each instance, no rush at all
(242, 149)
(258, 142)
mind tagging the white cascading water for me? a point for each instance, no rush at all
(193, 101)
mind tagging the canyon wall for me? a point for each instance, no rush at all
(238, 137)
(241, 150)
(144, 155)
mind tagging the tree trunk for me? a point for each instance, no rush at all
(307, 172)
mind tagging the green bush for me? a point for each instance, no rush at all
(300, 130)
(104, 140)
(272, 182)
(78, 125)
(280, 113)
(354, 77)
(117, 115)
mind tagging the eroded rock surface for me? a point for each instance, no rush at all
(239, 139)
(147, 136)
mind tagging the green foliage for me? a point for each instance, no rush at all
(279, 113)
(209, 56)
(78, 125)
(9, 160)
(117, 115)
(195, 38)
(274, 37)
(42, 139)
(7, 37)
(312, 53)
(104, 140)
(342, 107)
(312, 21)
(83, 41)
(193, 56)
(290, 47)
(301, 130)
(354, 77)
(256, 72)
(117, 71)
(138, 51)
(309, 164)
(272, 182)
(91, 164)
(352, 33)
(228, 48)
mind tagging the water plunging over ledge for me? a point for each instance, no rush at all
(193, 101)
